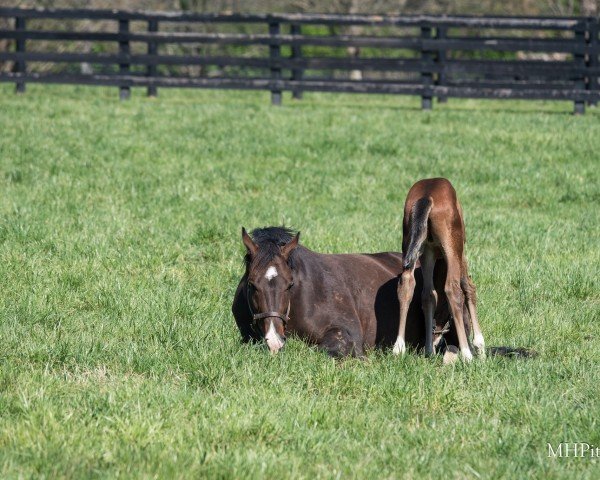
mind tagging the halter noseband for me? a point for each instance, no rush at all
(284, 317)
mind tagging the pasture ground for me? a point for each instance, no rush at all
(120, 253)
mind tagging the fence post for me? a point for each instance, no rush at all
(124, 90)
(579, 59)
(297, 73)
(592, 62)
(274, 56)
(440, 35)
(20, 65)
(152, 50)
(426, 76)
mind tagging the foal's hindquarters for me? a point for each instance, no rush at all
(433, 230)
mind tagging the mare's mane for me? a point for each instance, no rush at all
(269, 241)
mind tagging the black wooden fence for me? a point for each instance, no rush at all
(428, 56)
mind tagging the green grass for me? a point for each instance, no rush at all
(120, 251)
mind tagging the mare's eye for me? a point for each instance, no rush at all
(290, 285)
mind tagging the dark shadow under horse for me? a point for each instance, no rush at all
(343, 303)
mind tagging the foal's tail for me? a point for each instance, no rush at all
(417, 230)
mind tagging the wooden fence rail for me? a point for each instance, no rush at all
(428, 56)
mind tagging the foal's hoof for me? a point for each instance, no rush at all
(450, 355)
(399, 347)
(479, 346)
(466, 354)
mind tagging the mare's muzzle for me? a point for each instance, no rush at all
(284, 317)
(275, 342)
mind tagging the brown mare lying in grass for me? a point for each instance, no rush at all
(434, 232)
(344, 303)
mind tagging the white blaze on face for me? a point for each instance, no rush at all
(274, 341)
(271, 273)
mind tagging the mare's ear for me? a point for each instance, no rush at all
(289, 247)
(250, 245)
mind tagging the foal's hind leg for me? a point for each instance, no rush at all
(406, 289)
(468, 288)
(428, 296)
(456, 301)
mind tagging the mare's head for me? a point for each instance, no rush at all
(269, 262)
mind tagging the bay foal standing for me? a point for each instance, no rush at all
(433, 229)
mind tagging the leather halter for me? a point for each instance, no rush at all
(284, 317)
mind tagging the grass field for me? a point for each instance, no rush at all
(120, 251)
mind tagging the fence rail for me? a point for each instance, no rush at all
(424, 55)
